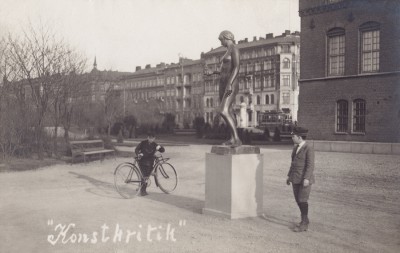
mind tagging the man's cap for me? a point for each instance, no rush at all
(300, 131)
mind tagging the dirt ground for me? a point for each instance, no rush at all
(354, 207)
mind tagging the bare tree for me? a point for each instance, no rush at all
(112, 106)
(68, 93)
(38, 60)
(14, 112)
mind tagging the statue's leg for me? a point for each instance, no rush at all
(232, 113)
(227, 112)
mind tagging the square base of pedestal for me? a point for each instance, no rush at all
(231, 215)
(234, 185)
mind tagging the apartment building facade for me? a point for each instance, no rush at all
(175, 88)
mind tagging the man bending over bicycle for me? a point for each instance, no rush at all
(145, 151)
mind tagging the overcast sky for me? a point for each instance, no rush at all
(123, 34)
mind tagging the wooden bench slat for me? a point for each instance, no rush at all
(85, 142)
(98, 151)
(88, 147)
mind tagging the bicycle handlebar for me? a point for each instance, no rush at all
(158, 158)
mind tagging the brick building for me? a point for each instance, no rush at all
(269, 70)
(350, 70)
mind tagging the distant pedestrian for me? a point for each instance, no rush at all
(146, 150)
(301, 174)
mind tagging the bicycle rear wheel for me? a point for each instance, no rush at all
(166, 177)
(127, 180)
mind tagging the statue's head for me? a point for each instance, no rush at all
(226, 35)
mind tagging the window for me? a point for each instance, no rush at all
(342, 116)
(285, 48)
(286, 98)
(266, 99)
(286, 63)
(370, 46)
(248, 83)
(257, 83)
(249, 67)
(268, 82)
(286, 80)
(211, 102)
(272, 99)
(258, 99)
(359, 116)
(336, 49)
(241, 84)
(267, 65)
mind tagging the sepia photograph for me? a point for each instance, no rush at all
(199, 126)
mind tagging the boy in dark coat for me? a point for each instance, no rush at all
(301, 174)
(146, 150)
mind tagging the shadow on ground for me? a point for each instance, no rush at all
(105, 189)
(101, 188)
(183, 202)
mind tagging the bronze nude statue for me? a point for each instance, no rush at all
(228, 85)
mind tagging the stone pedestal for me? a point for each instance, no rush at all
(234, 182)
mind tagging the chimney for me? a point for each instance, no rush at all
(246, 40)
(160, 65)
(255, 38)
(287, 32)
(138, 68)
(148, 66)
(269, 36)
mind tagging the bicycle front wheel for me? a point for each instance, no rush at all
(166, 177)
(127, 180)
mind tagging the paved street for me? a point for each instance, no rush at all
(354, 207)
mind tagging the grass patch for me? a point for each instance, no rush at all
(23, 164)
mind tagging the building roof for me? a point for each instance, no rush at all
(278, 39)
(108, 75)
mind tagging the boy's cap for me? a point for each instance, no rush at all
(300, 131)
(151, 134)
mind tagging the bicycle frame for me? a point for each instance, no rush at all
(128, 183)
(159, 160)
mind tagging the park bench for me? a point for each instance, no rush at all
(87, 148)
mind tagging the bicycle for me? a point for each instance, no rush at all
(128, 178)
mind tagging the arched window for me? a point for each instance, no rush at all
(342, 116)
(258, 99)
(286, 63)
(211, 102)
(336, 51)
(207, 102)
(359, 116)
(370, 46)
(266, 99)
(272, 99)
